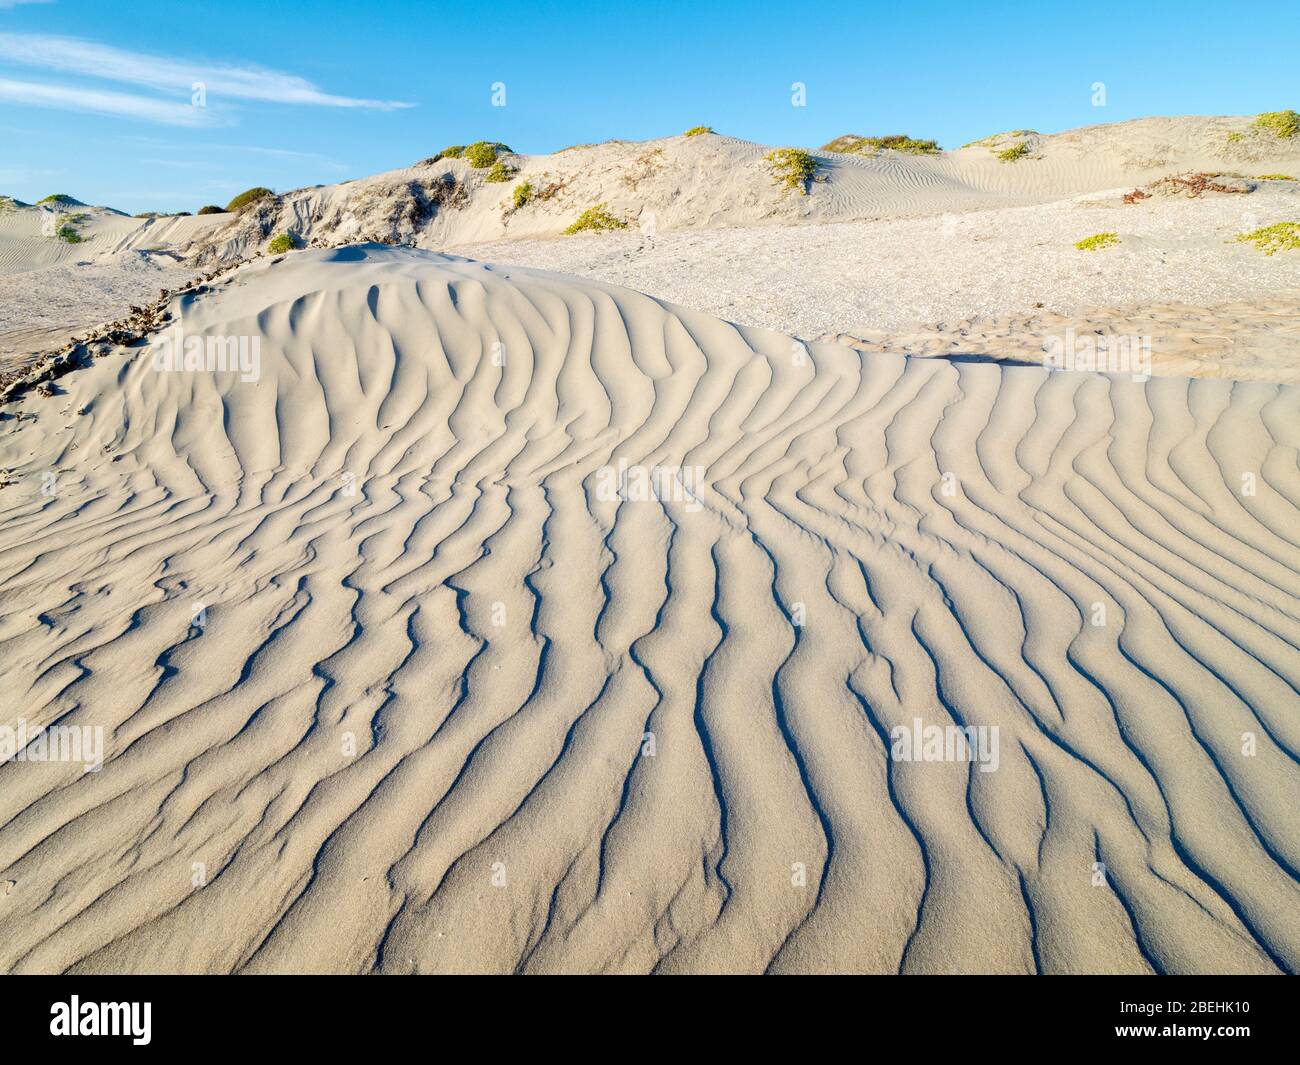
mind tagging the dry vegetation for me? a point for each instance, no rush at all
(1191, 185)
(853, 144)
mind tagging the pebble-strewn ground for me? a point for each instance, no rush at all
(40, 311)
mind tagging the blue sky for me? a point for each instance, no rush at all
(95, 96)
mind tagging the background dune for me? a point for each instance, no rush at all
(953, 250)
(716, 182)
(51, 290)
(448, 708)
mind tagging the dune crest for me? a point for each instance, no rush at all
(389, 682)
(719, 182)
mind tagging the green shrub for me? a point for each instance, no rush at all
(1275, 177)
(58, 197)
(248, 197)
(1235, 136)
(211, 208)
(792, 168)
(482, 154)
(596, 219)
(992, 142)
(1284, 124)
(522, 194)
(853, 144)
(8, 203)
(282, 243)
(456, 151)
(501, 172)
(1016, 151)
(1097, 241)
(1283, 236)
(695, 131)
(66, 228)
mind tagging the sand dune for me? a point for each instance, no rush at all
(713, 182)
(389, 681)
(997, 282)
(27, 243)
(52, 290)
(884, 241)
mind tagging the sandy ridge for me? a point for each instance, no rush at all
(499, 640)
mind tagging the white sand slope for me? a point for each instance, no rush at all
(411, 732)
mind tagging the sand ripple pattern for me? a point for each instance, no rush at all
(413, 732)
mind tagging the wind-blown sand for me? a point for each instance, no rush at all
(398, 540)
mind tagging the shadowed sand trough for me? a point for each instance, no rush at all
(389, 681)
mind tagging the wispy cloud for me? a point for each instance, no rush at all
(14, 3)
(101, 102)
(207, 146)
(88, 58)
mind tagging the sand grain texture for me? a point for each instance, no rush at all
(498, 641)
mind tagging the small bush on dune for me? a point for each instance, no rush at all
(66, 228)
(1283, 236)
(8, 203)
(211, 208)
(1275, 177)
(482, 154)
(501, 172)
(281, 243)
(522, 194)
(853, 144)
(695, 131)
(1284, 124)
(993, 141)
(1097, 241)
(595, 219)
(454, 151)
(1016, 151)
(792, 168)
(57, 197)
(250, 196)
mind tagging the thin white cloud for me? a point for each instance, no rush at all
(211, 146)
(76, 56)
(14, 3)
(101, 102)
